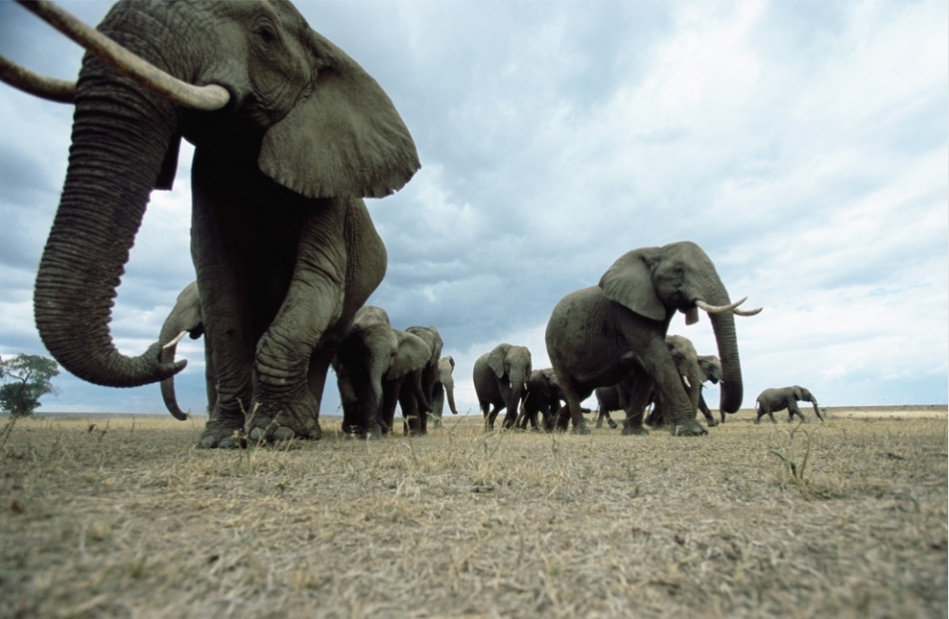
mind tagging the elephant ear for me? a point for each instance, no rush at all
(629, 282)
(412, 354)
(451, 361)
(344, 138)
(798, 393)
(497, 357)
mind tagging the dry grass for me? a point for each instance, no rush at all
(120, 516)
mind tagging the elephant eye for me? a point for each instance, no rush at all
(266, 33)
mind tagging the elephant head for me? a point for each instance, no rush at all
(654, 282)
(511, 366)
(444, 386)
(686, 360)
(246, 78)
(184, 319)
(711, 367)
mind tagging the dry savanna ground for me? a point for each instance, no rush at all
(121, 516)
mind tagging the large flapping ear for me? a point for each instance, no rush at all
(798, 392)
(629, 282)
(345, 138)
(497, 357)
(711, 367)
(413, 354)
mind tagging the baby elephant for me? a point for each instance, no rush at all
(774, 400)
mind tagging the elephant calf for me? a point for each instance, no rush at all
(774, 400)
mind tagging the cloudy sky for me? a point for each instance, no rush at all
(802, 144)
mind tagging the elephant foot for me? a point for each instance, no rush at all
(711, 423)
(294, 421)
(224, 429)
(612, 424)
(689, 428)
(581, 428)
(634, 430)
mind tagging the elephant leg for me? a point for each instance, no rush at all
(571, 395)
(634, 394)
(390, 398)
(438, 405)
(489, 422)
(410, 413)
(229, 336)
(310, 313)
(703, 406)
(794, 410)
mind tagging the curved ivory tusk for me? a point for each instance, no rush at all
(206, 98)
(719, 309)
(60, 91)
(748, 312)
(177, 339)
(685, 379)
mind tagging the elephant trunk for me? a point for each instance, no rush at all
(450, 393)
(723, 324)
(119, 142)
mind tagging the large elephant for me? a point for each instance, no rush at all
(543, 397)
(771, 401)
(184, 319)
(372, 363)
(444, 389)
(500, 378)
(614, 334)
(289, 134)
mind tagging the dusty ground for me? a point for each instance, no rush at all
(121, 516)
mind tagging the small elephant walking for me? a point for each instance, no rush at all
(771, 401)
(500, 379)
(543, 397)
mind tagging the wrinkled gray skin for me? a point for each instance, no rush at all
(430, 335)
(544, 397)
(692, 376)
(500, 378)
(771, 401)
(184, 316)
(444, 387)
(614, 334)
(277, 223)
(374, 359)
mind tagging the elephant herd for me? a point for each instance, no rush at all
(290, 134)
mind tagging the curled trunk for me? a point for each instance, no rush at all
(119, 142)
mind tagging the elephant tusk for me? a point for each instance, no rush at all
(177, 339)
(719, 309)
(206, 98)
(685, 379)
(738, 312)
(60, 91)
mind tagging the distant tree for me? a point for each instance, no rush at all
(26, 378)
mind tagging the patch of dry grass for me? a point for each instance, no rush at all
(121, 516)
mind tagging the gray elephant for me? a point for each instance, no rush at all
(614, 334)
(543, 397)
(372, 363)
(184, 319)
(444, 389)
(500, 378)
(289, 134)
(433, 339)
(771, 401)
(694, 369)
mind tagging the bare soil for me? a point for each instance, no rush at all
(121, 516)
